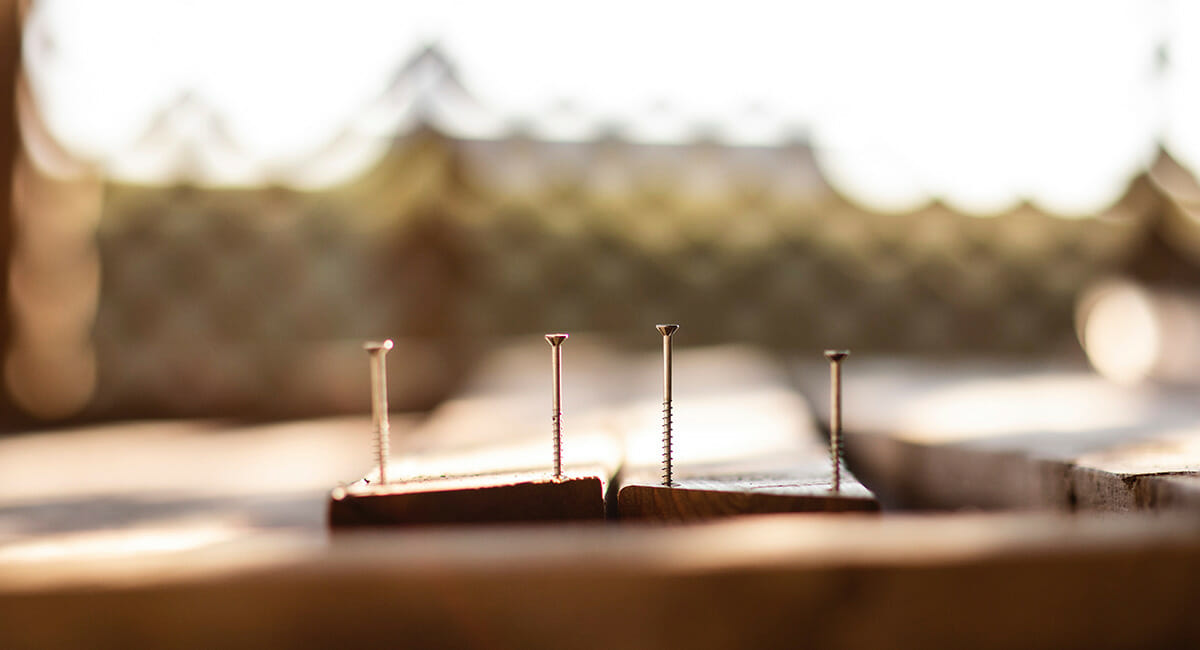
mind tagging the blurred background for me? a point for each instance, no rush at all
(212, 204)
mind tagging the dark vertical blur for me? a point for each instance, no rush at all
(10, 56)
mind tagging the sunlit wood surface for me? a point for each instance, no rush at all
(1015, 435)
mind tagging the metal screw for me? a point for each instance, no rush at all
(667, 331)
(835, 413)
(555, 341)
(379, 401)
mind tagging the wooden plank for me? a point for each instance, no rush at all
(483, 498)
(992, 434)
(486, 456)
(979, 581)
(732, 489)
(744, 443)
(1156, 473)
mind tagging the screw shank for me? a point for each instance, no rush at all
(556, 364)
(379, 406)
(668, 452)
(666, 368)
(835, 421)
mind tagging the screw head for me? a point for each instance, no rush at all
(372, 346)
(556, 339)
(836, 355)
(666, 330)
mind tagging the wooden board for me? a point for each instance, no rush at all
(990, 434)
(745, 443)
(1160, 472)
(723, 490)
(473, 499)
(783, 581)
(486, 456)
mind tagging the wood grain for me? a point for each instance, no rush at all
(1162, 471)
(725, 496)
(471, 499)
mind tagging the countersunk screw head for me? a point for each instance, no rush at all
(836, 355)
(666, 330)
(556, 339)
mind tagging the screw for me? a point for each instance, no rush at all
(555, 341)
(835, 413)
(379, 401)
(667, 331)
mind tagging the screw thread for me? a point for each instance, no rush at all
(377, 354)
(556, 419)
(382, 449)
(666, 444)
(837, 452)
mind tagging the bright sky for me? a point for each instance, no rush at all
(981, 104)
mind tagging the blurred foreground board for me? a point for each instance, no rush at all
(744, 443)
(992, 434)
(784, 581)
(486, 456)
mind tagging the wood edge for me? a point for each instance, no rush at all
(638, 501)
(577, 498)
